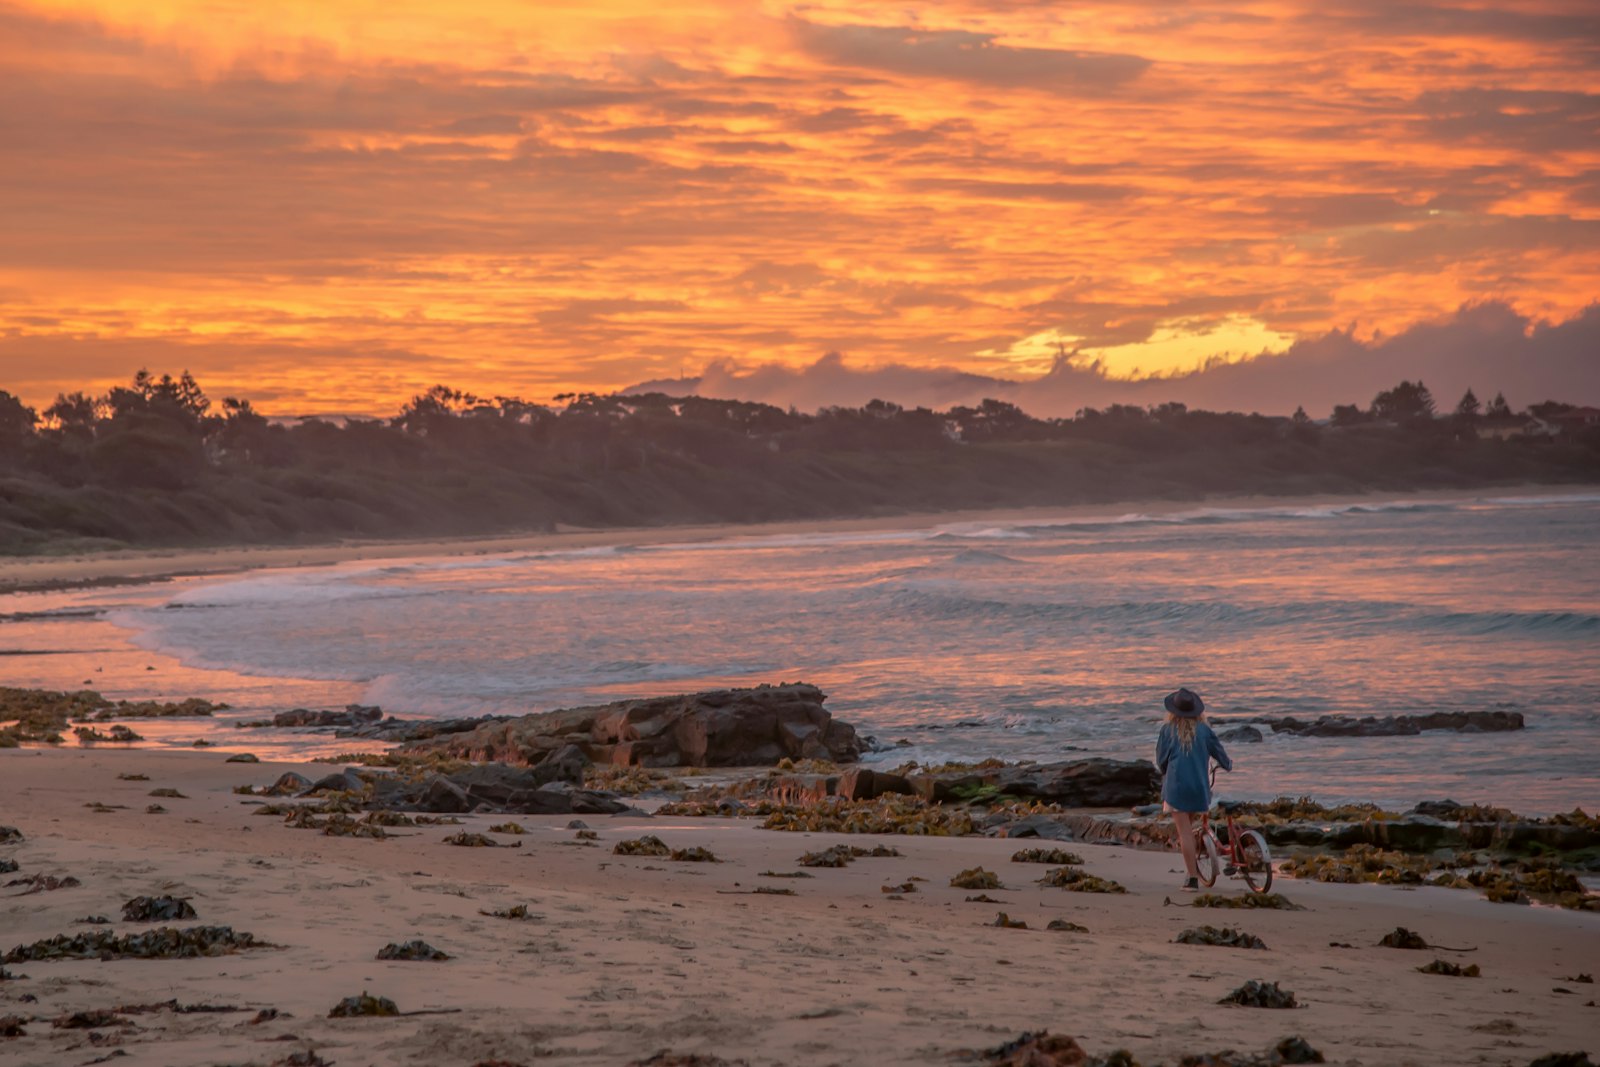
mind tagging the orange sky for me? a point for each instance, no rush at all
(328, 205)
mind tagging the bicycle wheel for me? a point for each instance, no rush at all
(1207, 857)
(1254, 861)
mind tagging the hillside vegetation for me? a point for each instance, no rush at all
(157, 464)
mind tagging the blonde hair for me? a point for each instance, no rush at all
(1183, 727)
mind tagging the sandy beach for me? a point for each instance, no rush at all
(26, 573)
(621, 957)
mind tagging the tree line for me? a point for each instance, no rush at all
(156, 462)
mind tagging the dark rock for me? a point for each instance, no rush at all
(243, 757)
(863, 783)
(498, 787)
(1087, 783)
(1438, 809)
(157, 909)
(7, 866)
(1469, 722)
(11, 1025)
(1563, 1059)
(718, 728)
(289, 784)
(396, 731)
(87, 1020)
(1245, 735)
(352, 715)
(345, 781)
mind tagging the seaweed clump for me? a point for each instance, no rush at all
(1225, 936)
(1258, 994)
(43, 883)
(1453, 970)
(1047, 855)
(1360, 863)
(889, 814)
(1291, 1050)
(411, 950)
(1066, 925)
(1274, 901)
(976, 878)
(1041, 1049)
(693, 854)
(648, 845)
(1400, 937)
(157, 909)
(167, 943)
(516, 911)
(839, 855)
(1006, 922)
(365, 1004)
(1079, 880)
(465, 839)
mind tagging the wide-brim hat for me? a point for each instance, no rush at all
(1185, 704)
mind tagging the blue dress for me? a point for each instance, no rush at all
(1184, 777)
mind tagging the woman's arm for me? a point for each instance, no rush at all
(1164, 743)
(1218, 753)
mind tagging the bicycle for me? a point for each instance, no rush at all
(1245, 850)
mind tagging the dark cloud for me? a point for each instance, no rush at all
(1488, 348)
(959, 55)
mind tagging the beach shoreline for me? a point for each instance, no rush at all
(26, 574)
(626, 956)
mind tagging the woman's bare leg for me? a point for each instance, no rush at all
(1185, 827)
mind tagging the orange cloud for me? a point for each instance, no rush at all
(336, 203)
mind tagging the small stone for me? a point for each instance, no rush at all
(243, 757)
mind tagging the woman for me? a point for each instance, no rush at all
(1184, 750)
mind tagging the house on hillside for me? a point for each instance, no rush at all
(1514, 427)
(1574, 420)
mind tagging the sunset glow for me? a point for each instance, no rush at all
(331, 205)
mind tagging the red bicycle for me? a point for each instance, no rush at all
(1245, 850)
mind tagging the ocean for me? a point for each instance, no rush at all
(1034, 639)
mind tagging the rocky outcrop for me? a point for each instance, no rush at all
(352, 715)
(719, 728)
(1085, 783)
(397, 731)
(1466, 722)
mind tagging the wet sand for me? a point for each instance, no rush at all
(624, 957)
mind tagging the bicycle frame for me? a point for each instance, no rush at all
(1245, 850)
